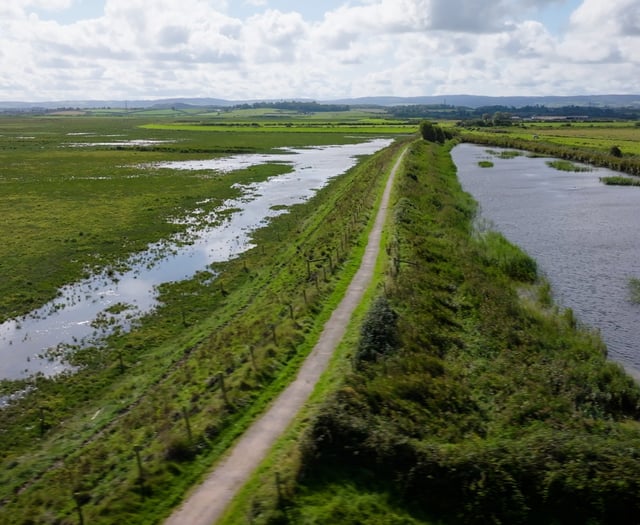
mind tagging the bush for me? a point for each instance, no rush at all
(379, 335)
(615, 151)
(180, 450)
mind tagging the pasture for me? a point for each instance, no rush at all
(613, 145)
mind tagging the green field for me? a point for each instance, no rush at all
(377, 127)
(598, 136)
(69, 208)
(479, 401)
(591, 143)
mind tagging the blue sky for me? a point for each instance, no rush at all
(247, 49)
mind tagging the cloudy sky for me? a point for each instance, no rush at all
(322, 49)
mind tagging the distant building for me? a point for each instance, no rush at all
(565, 118)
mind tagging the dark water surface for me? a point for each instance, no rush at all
(81, 315)
(584, 235)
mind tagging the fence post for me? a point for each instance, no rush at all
(137, 449)
(223, 388)
(185, 415)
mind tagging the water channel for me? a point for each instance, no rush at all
(583, 234)
(85, 311)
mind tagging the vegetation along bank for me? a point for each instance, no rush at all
(469, 398)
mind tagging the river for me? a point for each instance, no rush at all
(85, 312)
(583, 234)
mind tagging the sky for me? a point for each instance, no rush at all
(316, 49)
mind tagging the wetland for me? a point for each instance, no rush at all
(83, 314)
(581, 232)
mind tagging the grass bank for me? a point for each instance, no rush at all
(471, 399)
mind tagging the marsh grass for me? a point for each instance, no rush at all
(619, 181)
(634, 290)
(254, 323)
(565, 165)
(505, 154)
(485, 164)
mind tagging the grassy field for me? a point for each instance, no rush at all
(381, 127)
(598, 135)
(468, 397)
(156, 394)
(614, 145)
(477, 400)
(68, 205)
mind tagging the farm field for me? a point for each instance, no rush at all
(74, 199)
(614, 145)
(598, 136)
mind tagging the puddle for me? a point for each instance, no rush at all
(86, 311)
(123, 143)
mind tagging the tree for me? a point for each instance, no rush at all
(379, 333)
(501, 118)
(432, 133)
(428, 132)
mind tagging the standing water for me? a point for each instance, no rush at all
(86, 311)
(583, 234)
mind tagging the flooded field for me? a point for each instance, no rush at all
(86, 311)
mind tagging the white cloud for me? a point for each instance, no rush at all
(604, 32)
(360, 47)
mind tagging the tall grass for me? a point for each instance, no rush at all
(564, 165)
(634, 290)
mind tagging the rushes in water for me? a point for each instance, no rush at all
(634, 290)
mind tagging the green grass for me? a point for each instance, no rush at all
(634, 290)
(619, 181)
(494, 407)
(293, 127)
(93, 418)
(505, 154)
(485, 164)
(597, 136)
(565, 165)
(585, 143)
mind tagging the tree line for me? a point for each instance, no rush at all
(484, 115)
(293, 105)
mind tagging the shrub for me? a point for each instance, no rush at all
(379, 335)
(180, 450)
(615, 151)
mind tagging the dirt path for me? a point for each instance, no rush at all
(207, 502)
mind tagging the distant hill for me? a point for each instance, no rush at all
(469, 101)
(476, 101)
(118, 104)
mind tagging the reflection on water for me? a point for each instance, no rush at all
(583, 234)
(85, 311)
